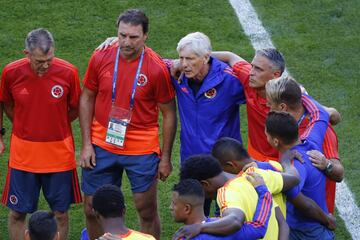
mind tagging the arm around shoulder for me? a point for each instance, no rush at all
(228, 57)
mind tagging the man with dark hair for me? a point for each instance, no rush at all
(267, 64)
(125, 87)
(42, 226)
(41, 96)
(233, 159)
(236, 197)
(284, 94)
(282, 133)
(109, 208)
(187, 207)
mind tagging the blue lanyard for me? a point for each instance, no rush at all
(132, 99)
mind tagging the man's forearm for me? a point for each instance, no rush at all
(168, 129)
(86, 111)
(228, 57)
(223, 226)
(310, 209)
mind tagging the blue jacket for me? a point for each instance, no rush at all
(211, 114)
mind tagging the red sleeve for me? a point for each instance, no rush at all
(330, 145)
(75, 90)
(5, 95)
(91, 78)
(242, 71)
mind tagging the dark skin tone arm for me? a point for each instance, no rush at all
(284, 229)
(290, 175)
(311, 210)
(231, 222)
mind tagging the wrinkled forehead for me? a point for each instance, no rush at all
(188, 52)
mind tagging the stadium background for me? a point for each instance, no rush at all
(320, 41)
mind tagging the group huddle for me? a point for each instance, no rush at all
(281, 187)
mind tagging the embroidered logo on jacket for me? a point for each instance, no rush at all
(185, 90)
(13, 200)
(210, 93)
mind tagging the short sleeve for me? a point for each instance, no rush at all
(5, 95)
(91, 75)
(330, 145)
(75, 90)
(242, 72)
(164, 90)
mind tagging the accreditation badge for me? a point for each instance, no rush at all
(119, 120)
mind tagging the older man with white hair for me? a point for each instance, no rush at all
(208, 96)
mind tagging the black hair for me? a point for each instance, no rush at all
(108, 201)
(200, 167)
(134, 17)
(42, 226)
(274, 56)
(283, 126)
(189, 187)
(226, 149)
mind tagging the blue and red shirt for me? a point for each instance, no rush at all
(255, 229)
(312, 180)
(211, 113)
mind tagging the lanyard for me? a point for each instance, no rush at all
(302, 118)
(132, 99)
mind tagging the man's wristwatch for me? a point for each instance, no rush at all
(329, 167)
(2, 131)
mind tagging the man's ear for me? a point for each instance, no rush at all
(206, 58)
(283, 107)
(26, 52)
(188, 208)
(205, 183)
(146, 36)
(276, 142)
(27, 235)
(277, 74)
(57, 236)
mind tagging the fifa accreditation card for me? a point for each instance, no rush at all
(119, 120)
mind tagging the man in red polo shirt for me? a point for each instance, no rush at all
(125, 86)
(267, 64)
(40, 94)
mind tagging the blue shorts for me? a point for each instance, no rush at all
(140, 169)
(22, 189)
(319, 232)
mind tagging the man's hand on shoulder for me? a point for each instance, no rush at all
(187, 232)
(107, 43)
(255, 179)
(109, 236)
